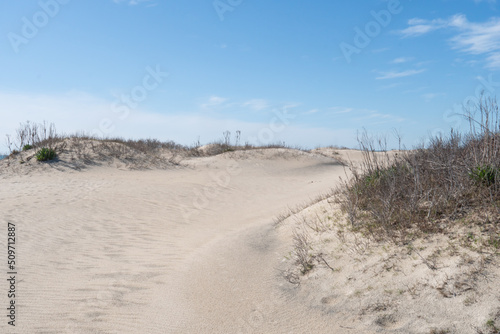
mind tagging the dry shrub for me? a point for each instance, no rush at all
(34, 135)
(87, 149)
(398, 194)
(302, 251)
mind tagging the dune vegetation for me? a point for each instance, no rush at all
(41, 142)
(426, 189)
(406, 233)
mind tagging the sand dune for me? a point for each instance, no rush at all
(194, 248)
(182, 250)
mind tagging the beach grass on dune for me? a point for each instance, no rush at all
(40, 142)
(454, 179)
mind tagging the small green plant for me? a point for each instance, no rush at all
(439, 331)
(45, 154)
(372, 178)
(485, 174)
(27, 147)
(492, 326)
(382, 175)
(494, 241)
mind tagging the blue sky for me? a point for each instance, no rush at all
(307, 73)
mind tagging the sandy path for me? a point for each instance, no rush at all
(174, 251)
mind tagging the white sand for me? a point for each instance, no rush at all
(111, 251)
(194, 249)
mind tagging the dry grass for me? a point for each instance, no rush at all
(425, 190)
(33, 135)
(421, 225)
(302, 251)
(85, 149)
(278, 220)
(406, 196)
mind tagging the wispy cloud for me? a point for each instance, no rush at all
(380, 50)
(472, 38)
(376, 117)
(431, 96)
(479, 38)
(213, 101)
(132, 2)
(418, 27)
(219, 103)
(341, 110)
(363, 114)
(402, 60)
(390, 86)
(398, 74)
(415, 90)
(312, 111)
(256, 104)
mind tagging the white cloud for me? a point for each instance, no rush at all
(415, 90)
(312, 111)
(380, 50)
(217, 102)
(376, 117)
(430, 96)
(341, 110)
(213, 101)
(256, 104)
(402, 60)
(418, 27)
(494, 60)
(398, 74)
(362, 114)
(390, 86)
(473, 38)
(478, 38)
(132, 2)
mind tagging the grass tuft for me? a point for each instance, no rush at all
(45, 154)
